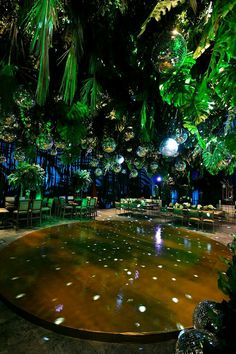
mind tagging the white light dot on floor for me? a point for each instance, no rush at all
(142, 308)
(175, 300)
(96, 297)
(59, 320)
(19, 296)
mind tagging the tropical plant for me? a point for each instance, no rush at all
(27, 177)
(81, 180)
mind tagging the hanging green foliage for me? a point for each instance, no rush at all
(143, 114)
(90, 92)
(194, 131)
(78, 112)
(69, 80)
(41, 21)
(159, 10)
(179, 87)
(200, 105)
(216, 156)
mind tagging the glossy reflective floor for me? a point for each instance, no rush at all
(107, 276)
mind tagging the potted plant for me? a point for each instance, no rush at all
(28, 178)
(82, 181)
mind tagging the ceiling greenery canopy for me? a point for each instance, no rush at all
(122, 77)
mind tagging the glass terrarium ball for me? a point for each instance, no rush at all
(169, 52)
(93, 162)
(53, 151)
(138, 163)
(2, 158)
(129, 134)
(9, 121)
(142, 151)
(154, 166)
(98, 172)
(169, 147)
(8, 136)
(180, 166)
(181, 135)
(196, 341)
(19, 155)
(108, 144)
(60, 145)
(129, 149)
(23, 98)
(133, 173)
(116, 168)
(119, 159)
(44, 142)
(208, 315)
(123, 171)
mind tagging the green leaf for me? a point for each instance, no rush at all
(90, 92)
(160, 9)
(69, 80)
(41, 21)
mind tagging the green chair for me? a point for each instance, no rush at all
(22, 213)
(35, 212)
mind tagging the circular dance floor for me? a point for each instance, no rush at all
(109, 278)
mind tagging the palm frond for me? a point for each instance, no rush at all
(90, 92)
(143, 114)
(69, 80)
(193, 4)
(70, 76)
(159, 10)
(41, 21)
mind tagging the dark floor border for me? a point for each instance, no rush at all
(111, 337)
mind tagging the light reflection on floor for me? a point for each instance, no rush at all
(125, 276)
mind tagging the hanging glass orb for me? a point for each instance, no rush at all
(44, 142)
(154, 166)
(9, 121)
(8, 136)
(169, 147)
(133, 173)
(93, 162)
(123, 171)
(2, 158)
(119, 159)
(180, 166)
(129, 149)
(98, 172)
(169, 52)
(91, 141)
(142, 151)
(181, 135)
(138, 163)
(196, 341)
(83, 143)
(19, 155)
(60, 144)
(23, 98)
(208, 315)
(108, 145)
(129, 134)
(116, 168)
(53, 151)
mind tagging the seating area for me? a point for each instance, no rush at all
(30, 212)
(205, 218)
